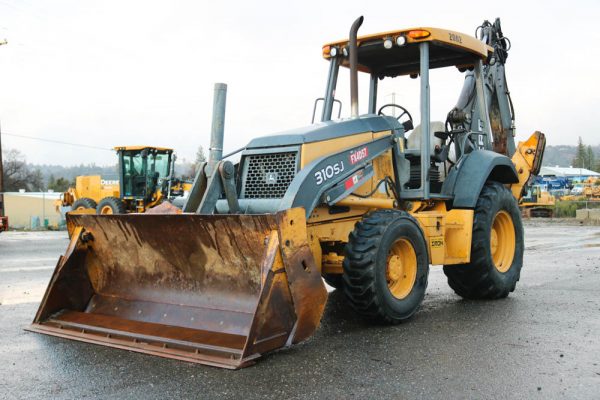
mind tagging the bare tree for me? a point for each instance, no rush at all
(18, 175)
(200, 158)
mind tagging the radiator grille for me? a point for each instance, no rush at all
(268, 176)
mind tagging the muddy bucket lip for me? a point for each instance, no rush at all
(144, 348)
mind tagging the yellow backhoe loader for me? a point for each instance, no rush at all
(239, 272)
(145, 180)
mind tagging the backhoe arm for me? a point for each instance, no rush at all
(471, 114)
(467, 114)
(528, 160)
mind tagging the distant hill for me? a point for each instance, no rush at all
(562, 155)
(106, 172)
(69, 173)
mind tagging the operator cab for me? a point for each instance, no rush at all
(143, 169)
(413, 52)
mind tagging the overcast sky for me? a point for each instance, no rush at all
(108, 73)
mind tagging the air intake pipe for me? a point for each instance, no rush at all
(353, 56)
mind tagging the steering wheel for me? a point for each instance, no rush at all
(404, 111)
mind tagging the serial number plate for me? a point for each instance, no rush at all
(437, 242)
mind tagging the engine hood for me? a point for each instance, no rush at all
(326, 130)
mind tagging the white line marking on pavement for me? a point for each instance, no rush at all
(27, 269)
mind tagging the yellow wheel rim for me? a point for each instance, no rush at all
(81, 208)
(502, 241)
(401, 271)
(106, 210)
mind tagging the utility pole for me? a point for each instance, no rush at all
(1, 164)
(1, 177)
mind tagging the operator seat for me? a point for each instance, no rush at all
(413, 145)
(414, 139)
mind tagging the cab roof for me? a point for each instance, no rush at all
(447, 48)
(140, 148)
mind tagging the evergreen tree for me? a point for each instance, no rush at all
(581, 156)
(51, 181)
(59, 185)
(590, 158)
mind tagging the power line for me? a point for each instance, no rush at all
(57, 141)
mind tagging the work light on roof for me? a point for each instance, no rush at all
(333, 52)
(401, 40)
(388, 44)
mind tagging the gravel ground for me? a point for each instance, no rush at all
(541, 342)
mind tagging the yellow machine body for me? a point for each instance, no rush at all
(90, 186)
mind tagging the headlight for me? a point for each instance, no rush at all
(401, 40)
(387, 43)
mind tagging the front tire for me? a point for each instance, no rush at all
(110, 205)
(386, 266)
(496, 248)
(83, 203)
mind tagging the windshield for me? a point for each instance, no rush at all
(159, 163)
(142, 171)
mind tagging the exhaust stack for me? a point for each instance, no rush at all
(353, 56)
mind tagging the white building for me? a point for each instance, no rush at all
(567, 172)
(31, 210)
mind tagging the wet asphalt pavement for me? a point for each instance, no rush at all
(542, 342)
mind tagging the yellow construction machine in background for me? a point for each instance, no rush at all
(538, 202)
(145, 180)
(354, 201)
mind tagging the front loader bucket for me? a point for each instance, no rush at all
(214, 289)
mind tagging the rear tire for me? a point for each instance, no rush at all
(111, 205)
(496, 248)
(83, 203)
(386, 266)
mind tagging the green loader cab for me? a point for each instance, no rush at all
(142, 172)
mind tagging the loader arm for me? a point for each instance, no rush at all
(311, 186)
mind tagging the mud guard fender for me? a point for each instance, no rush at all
(466, 179)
